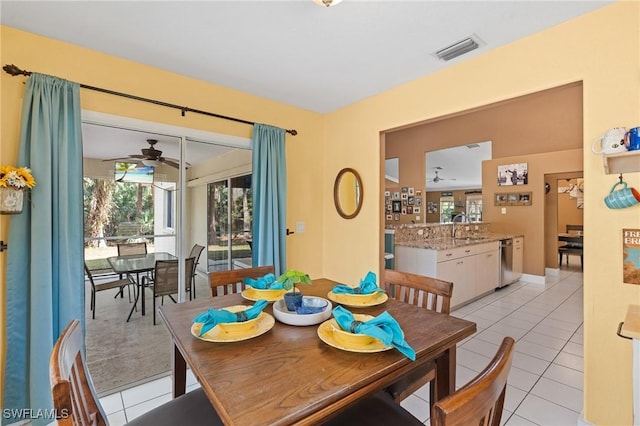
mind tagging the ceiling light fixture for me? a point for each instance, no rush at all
(327, 3)
(457, 49)
(151, 163)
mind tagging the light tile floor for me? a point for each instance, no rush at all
(545, 382)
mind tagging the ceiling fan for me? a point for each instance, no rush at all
(437, 178)
(150, 157)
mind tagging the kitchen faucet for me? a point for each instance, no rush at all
(453, 226)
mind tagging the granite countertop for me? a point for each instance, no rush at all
(449, 243)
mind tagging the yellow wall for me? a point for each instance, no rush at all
(601, 49)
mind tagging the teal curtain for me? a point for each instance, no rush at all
(45, 278)
(269, 186)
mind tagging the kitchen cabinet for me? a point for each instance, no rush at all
(518, 257)
(473, 269)
(487, 270)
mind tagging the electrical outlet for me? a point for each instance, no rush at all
(504, 210)
(299, 227)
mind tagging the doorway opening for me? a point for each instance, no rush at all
(164, 208)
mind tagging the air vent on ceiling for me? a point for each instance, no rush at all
(459, 48)
(473, 145)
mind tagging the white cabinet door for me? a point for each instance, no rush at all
(487, 272)
(518, 257)
(461, 273)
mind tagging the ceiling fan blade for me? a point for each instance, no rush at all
(129, 159)
(170, 162)
(142, 157)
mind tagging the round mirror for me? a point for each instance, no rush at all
(347, 193)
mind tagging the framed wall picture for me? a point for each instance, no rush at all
(631, 256)
(513, 174)
(512, 199)
(396, 216)
(416, 210)
(389, 217)
(397, 206)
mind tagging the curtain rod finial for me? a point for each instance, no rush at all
(292, 132)
(14, 70)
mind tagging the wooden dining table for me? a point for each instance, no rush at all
(136, 264)
(288, 375)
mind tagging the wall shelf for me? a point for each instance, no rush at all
(623, 162)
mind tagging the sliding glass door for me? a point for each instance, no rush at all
(230, 215)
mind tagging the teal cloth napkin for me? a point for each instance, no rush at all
(268, 282)
(367, 285)
(213, 317)
(383, 327)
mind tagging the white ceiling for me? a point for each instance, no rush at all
(295, 52)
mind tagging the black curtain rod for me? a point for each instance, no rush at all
(14, 71)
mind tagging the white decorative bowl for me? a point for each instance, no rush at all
(292, 318)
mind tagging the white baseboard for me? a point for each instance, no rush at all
(582, 421)
(552, 272)
(534, 279)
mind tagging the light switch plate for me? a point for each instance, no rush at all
(299, 227)
(504, 210)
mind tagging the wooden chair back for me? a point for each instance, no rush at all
(419, 290)
(71, 386)
(126, 249)
(479, 402)
(166, 276)
(428, 293)
(229, 282)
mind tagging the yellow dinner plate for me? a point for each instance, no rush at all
(358, 300)
(223, 333)
(255, 294)
(327, 333)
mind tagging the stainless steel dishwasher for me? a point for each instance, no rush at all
(506, 262)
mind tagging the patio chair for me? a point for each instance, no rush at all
(165, 280)
(125, 249)
(129, 249)
(479, 402)
(120, 284)
(76, 403)
(431, 294)
(196, 250)
(231, 281)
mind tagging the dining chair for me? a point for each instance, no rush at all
(126, 249)
(428, 293)
(120, 284)
(165, 280)
(570, 248)
(231, 281)
(76, 403)
(479, 402)
(196, 250)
